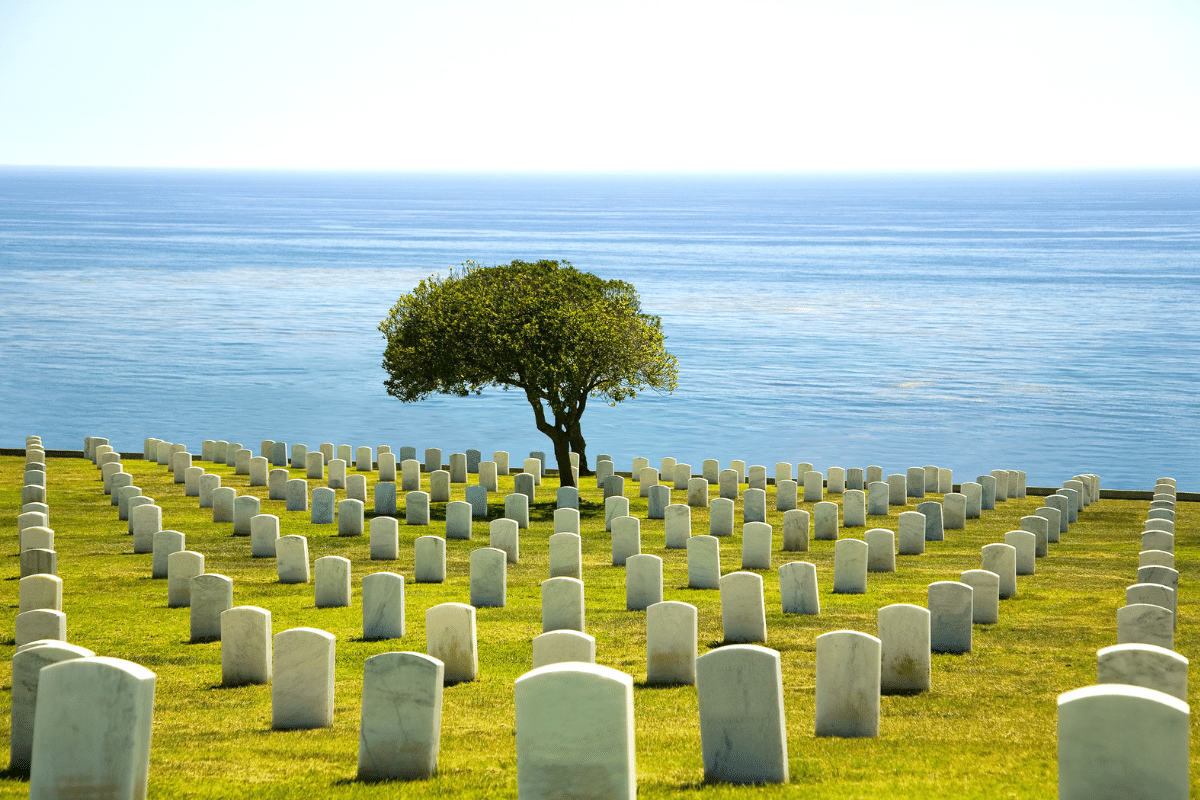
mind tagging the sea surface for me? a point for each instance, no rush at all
(1044, 322)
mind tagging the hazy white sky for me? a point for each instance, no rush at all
(613, 85)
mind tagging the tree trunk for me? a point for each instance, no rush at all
(578, 445)
(562, 454)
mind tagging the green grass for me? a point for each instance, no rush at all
(985, 729)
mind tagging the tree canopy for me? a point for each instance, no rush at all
(559, 335)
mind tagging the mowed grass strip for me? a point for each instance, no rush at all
(985, 729)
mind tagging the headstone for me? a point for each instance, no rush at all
(291, 559)
(973, 492)
(39, 591)
(877, 499)
(987, 497)
(566, 555)
(1154, 593)
(328, 451)
(516, 507)
(683, 477)
(825, 521)
(795, 530)
(743, 730)
(1144, 665)
(1161, 558)
(697, 493)
(849, 665)
(91, 731)
(540, 457)
(671, 636)
(562, 604)
(604, 471)
(626, 539)
(410, 475)
(954, 511)
(37, 561)
(945, 480)
(211, 594)
(1026, 546)
(1072, 503)
(416, 508)
(677, 525)
(910, 535)
(299, 456)
(191, 481)
(562, 711)
(400, 727)
(144, 521)
(932, 511)
(850, 566)
(474, 458)
(209, 484)
(385, 539)
(710, 470)
(122, 479)
(754, 506)
(704, 562)
(245, 646)
(523, 483)
(720, 517)
(1001, 476)
(429, 559)
(458, 520)
(383, 606)
(756, 545)
(364, 459)
(985, 595)
(477, 498)
(302, 679)
(385, 498)
(743, 612)
(881, 550)
(350, 513)
(337, 473)
(242, 461)
(659, 498)
(331, 582)
(643, 581)
(951, 611)
(387, 468)
(40, 623)
(489, 578)
(786, 495)
(1120, 741)
(835, 480)
(439, 486)
(356, 488)
(164, 544)
(757, 477)
(1146, 623)
(904, 649)
(504, 534)
(39, 537)
(1059, 503)
(813, 486)
(1040, 528)
(323, 503)
(727, 484)
(259, 471)
(614, 486)
(27, 665)
(1158, 540)
(855, 479)
(406, 453)
(897, 489)
(798, 588)
(450, 638)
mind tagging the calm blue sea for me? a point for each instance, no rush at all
(1045, 322)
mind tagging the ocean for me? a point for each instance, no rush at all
(1038, 321)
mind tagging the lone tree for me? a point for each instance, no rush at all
(559, 335)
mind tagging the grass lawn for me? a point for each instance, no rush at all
(985, 729)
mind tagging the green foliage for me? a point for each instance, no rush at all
(559, 335)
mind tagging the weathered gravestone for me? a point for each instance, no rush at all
(302, 679)
(848, 681)
(743, 612)
(643, 581)
(566, 554)
(91, 735)
(985, 595)
(429, 559)
(450, 638)
(383, 605)
(245, 646)
(850, 566)
(1143, 665)
(562, 604)
(951, 611)
(905, 662)
(27, 664)
(416, 508)
(671, 636)
(291, 559)
(401, 722)
(210, 595)
(704, 562)
(1001, 559)
(743, 730)
(626, 539)
(881, 550)
(756, 545)
(489, 577)
(563, 712)
(798, 588)
(1122, 742)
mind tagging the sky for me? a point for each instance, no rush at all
(548, 85)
